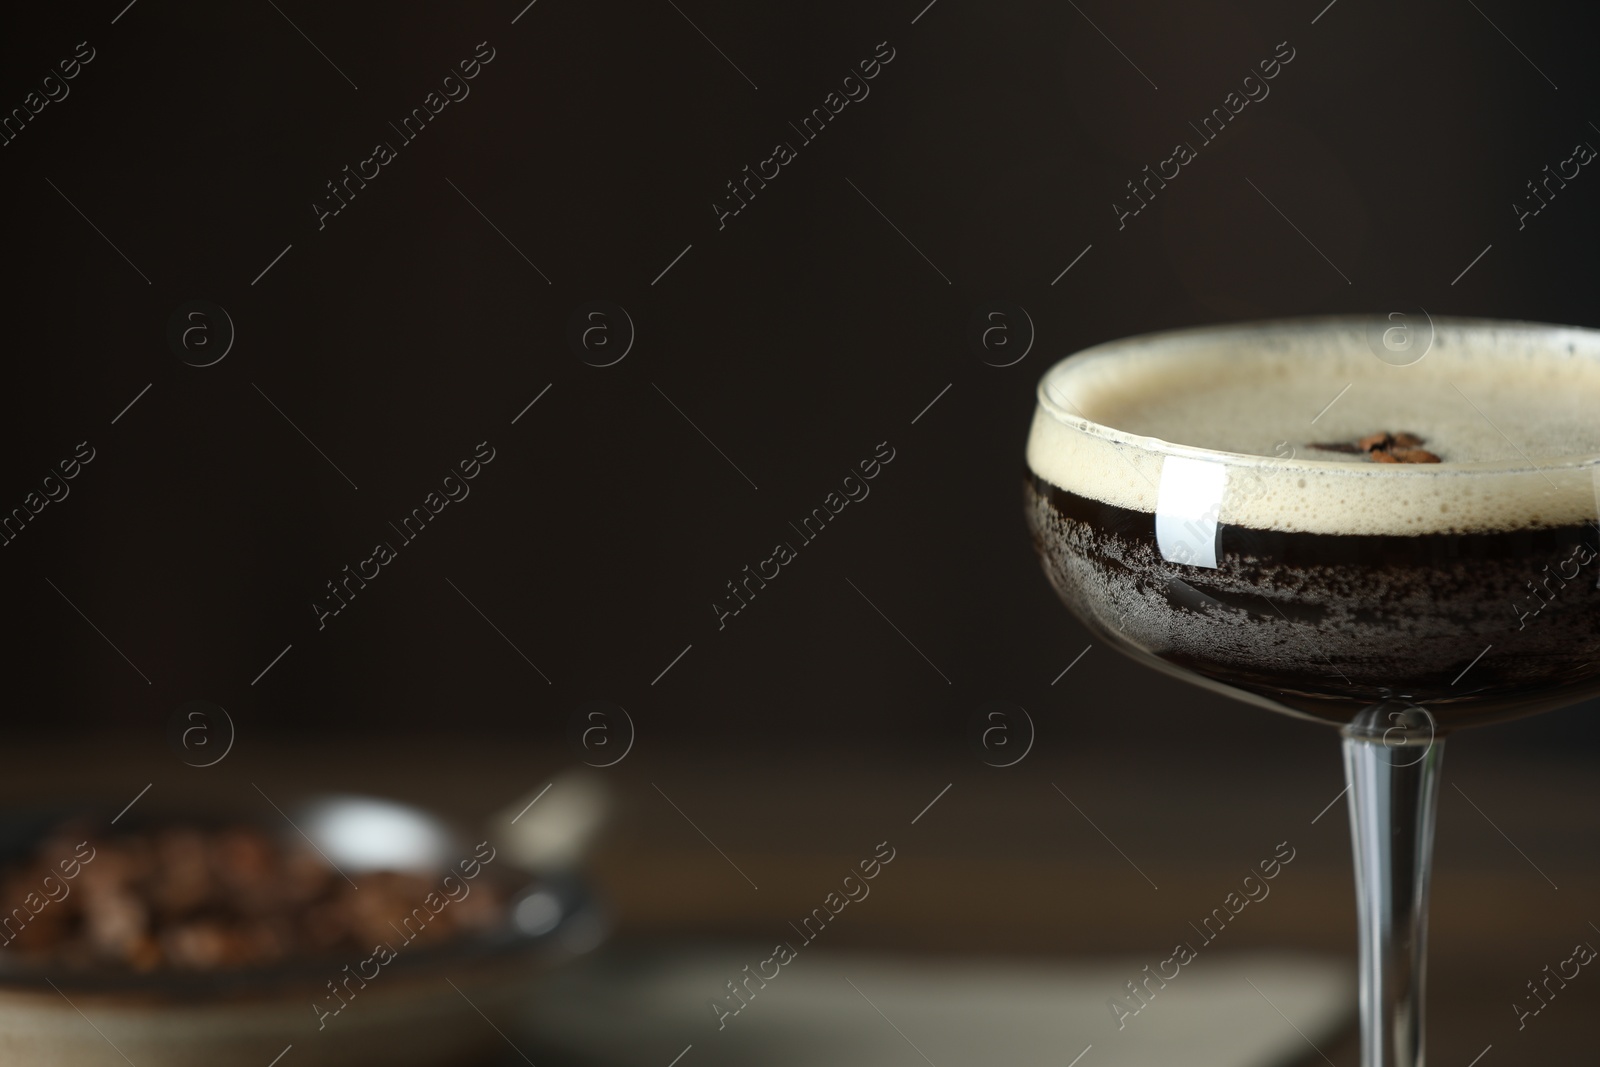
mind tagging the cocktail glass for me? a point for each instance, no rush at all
(1387, 527)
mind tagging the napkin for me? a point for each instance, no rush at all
(672, 1007)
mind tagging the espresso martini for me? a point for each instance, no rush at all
(1282, 512)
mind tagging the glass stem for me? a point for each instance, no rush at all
(1393, 776)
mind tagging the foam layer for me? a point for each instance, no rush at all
(1512, 409)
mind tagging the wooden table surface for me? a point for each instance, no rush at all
(1109, 850)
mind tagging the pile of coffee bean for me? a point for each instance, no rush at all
(205, 899)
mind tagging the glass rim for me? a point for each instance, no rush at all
(1158, 340)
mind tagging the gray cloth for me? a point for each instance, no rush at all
(844, 1009)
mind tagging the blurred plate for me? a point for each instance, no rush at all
(427, 1006)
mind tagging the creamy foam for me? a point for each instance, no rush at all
(1512, 409)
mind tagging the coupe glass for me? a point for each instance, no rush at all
(1385, 525)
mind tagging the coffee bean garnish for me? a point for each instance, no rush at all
(1384, 447)
(1375, 441)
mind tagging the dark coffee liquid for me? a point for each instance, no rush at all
(1473, 627)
